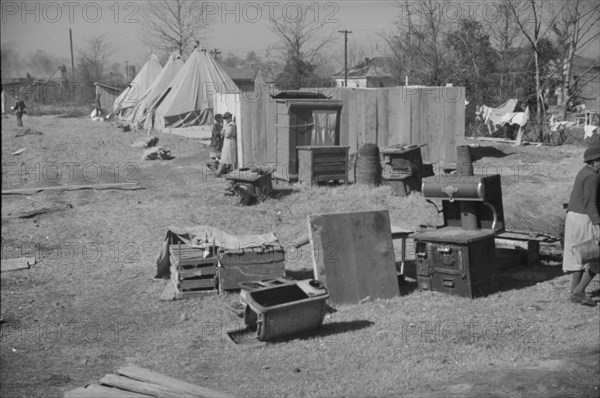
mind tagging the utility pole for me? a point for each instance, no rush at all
(126, 72)
(215, 52)
(72, 59)
(345, 32)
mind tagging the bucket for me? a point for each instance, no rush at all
(368, 165)
(586, 252)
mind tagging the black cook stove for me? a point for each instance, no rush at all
(460, 257)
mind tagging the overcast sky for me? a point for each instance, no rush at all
(28, 26)
(31, 25)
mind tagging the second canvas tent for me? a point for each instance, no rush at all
(130, 97)
(156, 89)
(200, 90)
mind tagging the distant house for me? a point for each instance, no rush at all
(35, 90)
(246, 79)
(372, 72)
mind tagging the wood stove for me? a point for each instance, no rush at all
(460, 257)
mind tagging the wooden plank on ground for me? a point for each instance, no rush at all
(98, 391)
(142, 387)
(16, 264)
(35, 212)
(29, 191)
(141, 374)
(353, 255)
(493, 139)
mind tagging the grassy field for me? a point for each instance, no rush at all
(90, 305)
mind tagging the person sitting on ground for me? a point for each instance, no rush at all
(583, 224)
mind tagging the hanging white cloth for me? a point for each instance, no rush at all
(323, 132)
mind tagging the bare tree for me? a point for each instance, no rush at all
(576, 29)
(302, 40)
(173, 25)
(529, 16)
(505, 36)
(417, 42)
(93, 58)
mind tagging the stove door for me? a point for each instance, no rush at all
(448, 259)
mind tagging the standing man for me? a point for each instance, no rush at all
(229, 150)
(19, 110)
(583, 224)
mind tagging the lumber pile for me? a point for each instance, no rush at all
(136, 382)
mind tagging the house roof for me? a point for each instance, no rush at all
(241, 75)
(107, 87)
(370, 67)
(299, 95)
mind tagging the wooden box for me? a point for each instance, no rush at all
(251, 264)
(191, 272)
(322, 163)
(518, 248)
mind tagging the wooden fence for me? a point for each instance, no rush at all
(383, 116)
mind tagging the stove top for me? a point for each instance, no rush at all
(453, 235)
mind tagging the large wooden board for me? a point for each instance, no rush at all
(353, 255)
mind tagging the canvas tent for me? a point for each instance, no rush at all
(129, 98)
(200, 90)
(156, 89)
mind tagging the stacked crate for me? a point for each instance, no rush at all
(193, 269)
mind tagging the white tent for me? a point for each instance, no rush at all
(156, 89)
(200, 90)
(132, 94)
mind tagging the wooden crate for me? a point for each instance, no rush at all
(244, 265)
(322, 163)
(191, 272)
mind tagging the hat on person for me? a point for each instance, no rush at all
(218, 116)
(592, 153)
(226, 115)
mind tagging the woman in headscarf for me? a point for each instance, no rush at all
(583, 224)
(229, 150)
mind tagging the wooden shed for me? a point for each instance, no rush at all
(303, 119)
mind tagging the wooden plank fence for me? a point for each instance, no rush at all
(383, 116)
